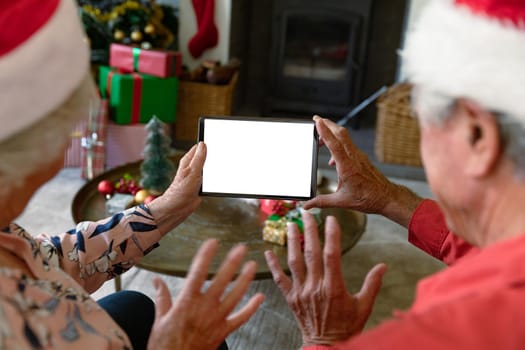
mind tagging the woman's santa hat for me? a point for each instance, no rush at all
(473, 49)
(43, 58)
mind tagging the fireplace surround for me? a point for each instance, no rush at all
(286, 45)
(317, 54)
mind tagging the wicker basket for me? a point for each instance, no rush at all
(198, 99)
(397, 131)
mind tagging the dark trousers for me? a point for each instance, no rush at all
(134, 312)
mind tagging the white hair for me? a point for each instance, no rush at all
(435, 108)
(29, 150)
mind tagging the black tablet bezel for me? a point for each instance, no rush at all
(315, 155)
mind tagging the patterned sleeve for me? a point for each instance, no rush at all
(95, 252)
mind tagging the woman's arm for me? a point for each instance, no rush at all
(94, 252)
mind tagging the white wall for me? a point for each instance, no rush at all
(174, 3)
(413, 14)
(415, 9)
(188, 28)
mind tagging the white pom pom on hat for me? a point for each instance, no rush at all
(43, 58)
(473, 49)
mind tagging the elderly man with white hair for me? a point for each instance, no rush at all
(466, 61)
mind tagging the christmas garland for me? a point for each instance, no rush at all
(116, 12)
(140, 23)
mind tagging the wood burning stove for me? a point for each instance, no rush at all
(318, 54)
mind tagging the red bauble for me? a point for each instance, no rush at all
(106, 187)
(277, 206)
(149, 199)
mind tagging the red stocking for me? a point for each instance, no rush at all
(207, 35)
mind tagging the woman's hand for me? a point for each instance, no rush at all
(316, 293)
(199, 319)
(182, 196)
(360, 184)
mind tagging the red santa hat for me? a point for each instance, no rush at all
(473, 49)
(43, 59)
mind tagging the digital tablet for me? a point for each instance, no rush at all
(259, 157)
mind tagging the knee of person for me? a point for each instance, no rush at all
(129, 302)
(137, 298)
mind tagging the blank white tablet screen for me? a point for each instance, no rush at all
(258, 157)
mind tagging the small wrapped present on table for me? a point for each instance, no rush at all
(276, 206)
(136, 98)
(280, 213)
(160, 63)
(275, 229)
(119, 202)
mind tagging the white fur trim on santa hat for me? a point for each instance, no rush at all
(461, 54)
(40, 74)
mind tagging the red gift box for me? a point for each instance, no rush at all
(159, 63)
(137, 97)
(277, 206)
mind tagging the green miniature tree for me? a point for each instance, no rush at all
(157, 169)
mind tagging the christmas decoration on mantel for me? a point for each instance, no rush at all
(141, 23)
(207, 35)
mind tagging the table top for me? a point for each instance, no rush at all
(230, 220)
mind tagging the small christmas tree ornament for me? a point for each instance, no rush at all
(119, 35)
(157, 169)
(149, 29)
(136, 35)
(141, 196)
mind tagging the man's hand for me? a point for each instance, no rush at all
(200, 319)
(316, 291)
(361, 186)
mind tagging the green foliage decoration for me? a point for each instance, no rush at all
(157, 169)
(139, 23)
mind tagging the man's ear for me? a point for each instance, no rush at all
(481, 131)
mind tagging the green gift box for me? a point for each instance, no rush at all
(136, 97)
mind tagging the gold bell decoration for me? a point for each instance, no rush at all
(149, 29)
(141, 23)
(119, 35)
(136, 36)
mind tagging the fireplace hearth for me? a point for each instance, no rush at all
(308, 56)
(317, 55)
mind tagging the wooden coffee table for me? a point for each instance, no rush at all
(231, 221)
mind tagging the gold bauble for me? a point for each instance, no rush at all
(136, 35)
(141, 195)
(149, 29)
(119, 35)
